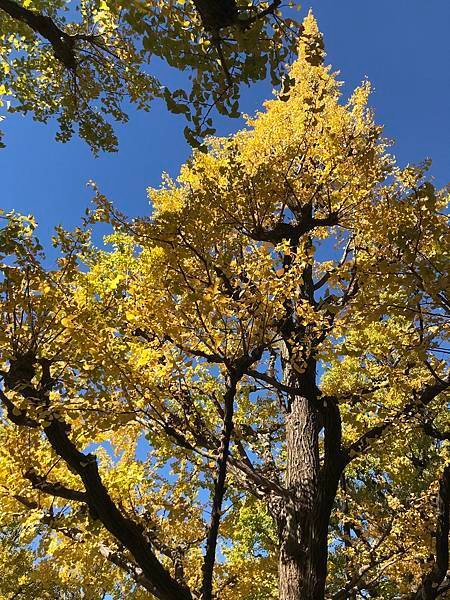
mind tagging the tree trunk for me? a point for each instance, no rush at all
(303, 520)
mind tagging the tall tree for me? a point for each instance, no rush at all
(82, 61)
(258, 367)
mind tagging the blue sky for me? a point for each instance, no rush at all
(402, 46)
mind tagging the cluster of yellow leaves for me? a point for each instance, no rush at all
(111, 42)
(140, 336)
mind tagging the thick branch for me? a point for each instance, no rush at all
(430, 429)
(444, 587)
(333, 435)
(218, 14)
(15, 415)
(270, 10)
(126, 565)
(112, 555)
(287, 389)
(62, 43)
(124, 530)
(252, 480)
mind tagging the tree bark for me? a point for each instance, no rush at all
(303, 547)
(303, 519)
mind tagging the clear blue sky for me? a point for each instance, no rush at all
(402, 46)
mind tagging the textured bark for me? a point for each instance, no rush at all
(304, 519)
(296, 523)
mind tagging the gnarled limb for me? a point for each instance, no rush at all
(54, 488)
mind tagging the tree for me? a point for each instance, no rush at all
(258, 367)
(81, 62)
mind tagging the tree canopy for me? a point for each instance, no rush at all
(244, 394)
(84, 62)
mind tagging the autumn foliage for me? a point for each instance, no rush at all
(243, 395)
(83, 62)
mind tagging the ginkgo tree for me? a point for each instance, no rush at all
(82, 62)
(244, 395)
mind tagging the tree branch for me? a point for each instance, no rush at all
(15, 415)
(112, 555)
(126, 532)
(333, 434)
(218, 14)
(430, 429)
(270, 10)
(432, 581)
(219, 488)
(54, 489)
(63, 44)
(129, 567)
(291, 231)
(406, 413)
